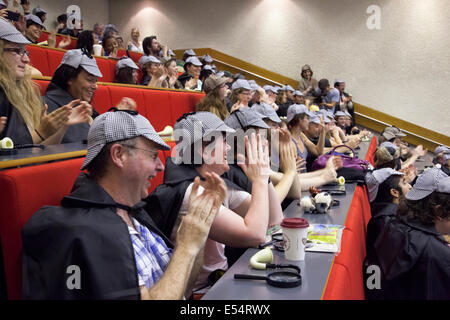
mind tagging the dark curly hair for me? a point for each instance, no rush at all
(426, 210)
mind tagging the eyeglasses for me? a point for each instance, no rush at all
(154, 153)
(20, 51)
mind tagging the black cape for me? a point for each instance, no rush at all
(86, 232)
(382, 214)
(414, 261)
(16, 128)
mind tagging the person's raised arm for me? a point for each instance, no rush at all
(191, 238)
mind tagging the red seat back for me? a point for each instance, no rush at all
(102, 99)
(23, 192)
(43, 84)
(157, 108)
(107, 68)
(54, 59)
(39, 59)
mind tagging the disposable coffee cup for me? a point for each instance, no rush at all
(295, 234)
(97, 49)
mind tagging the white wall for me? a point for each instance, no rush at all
(402, 69)
(92, 11)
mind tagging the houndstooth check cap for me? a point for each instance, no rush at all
(266, 111)
(244, 118)
(9, 33)
(118, 126)
(428, 182)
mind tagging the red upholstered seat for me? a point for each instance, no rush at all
(181, 103)
(338, 285)
(102, 99)
(117, 93)
(23, 192)
(39, 59)
(54, 59)
(157, 108)
(107, 68)
(42, 84)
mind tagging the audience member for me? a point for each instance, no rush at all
(298, 118)
(243, 219)
(190, 79)
(188, 53)
(328, 98)
(23, 118)
(214, 101)
(345, 99)
(134, 259)
(298, 97)
(126, 72)
(240, 95)
(62, 22)
(75, 79)
(98, 31)
(153, 73)
(172, 74)
(110, 46)
(34, 28)
(110, 30)
(75, 31)
(86, 41)
(135, 44)
(40, 13)
(307, 84)
(411, 253)
(151, 47)
(386, 187)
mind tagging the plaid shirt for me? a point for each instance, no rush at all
(151, 253)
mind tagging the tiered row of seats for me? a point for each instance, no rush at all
(59, 37)
(47, 60)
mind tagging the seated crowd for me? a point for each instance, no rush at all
(242, 157)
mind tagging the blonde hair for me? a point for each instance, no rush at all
(23, 94)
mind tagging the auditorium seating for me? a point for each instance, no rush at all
(47, 60)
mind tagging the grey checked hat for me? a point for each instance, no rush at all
(190, 52)
(244, 118)
(392, 132)
(123, 63)
(38, 10)
(147, 59)
(377, 177)
(441, 149)
(254, 85)
(9, 33)
(298, 93)
(213, 82)
(208, 67)
(171, 53)
(35, 19)
(118, 126)
(295, 109)
(194, 61)
(266, 111)
(241, 83)
(276, 89)
(76, 58)
(289, 88)
(315, 119)
(340, 114)
(348, 114)
(2, 3)
(207, 58)
(194, 127)
(446, 157)
(430, 181)
(267, 87)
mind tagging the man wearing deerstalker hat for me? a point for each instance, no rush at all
(103, 231)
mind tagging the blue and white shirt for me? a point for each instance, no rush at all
(151, 253)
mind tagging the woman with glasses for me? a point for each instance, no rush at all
(241, 94)
(22, 116)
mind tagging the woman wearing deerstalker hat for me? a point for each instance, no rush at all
(22, 117)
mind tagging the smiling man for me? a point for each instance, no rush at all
(102, 230)
(75, 78)
(34, 28)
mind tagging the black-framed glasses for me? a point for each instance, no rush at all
(132, 112)
(20, 51)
